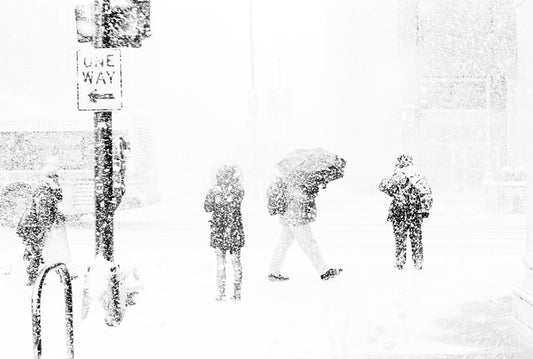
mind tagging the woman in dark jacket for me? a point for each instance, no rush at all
(227, 234)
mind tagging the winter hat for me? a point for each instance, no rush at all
(228, 173)
(404, 160)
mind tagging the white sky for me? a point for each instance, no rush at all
(190, 81)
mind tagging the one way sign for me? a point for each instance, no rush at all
(99, 79)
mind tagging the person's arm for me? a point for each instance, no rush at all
(44, 208)
(209, 202)
(385, 186)
(43, 215)
(240, 194)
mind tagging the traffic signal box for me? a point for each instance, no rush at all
(117, 23)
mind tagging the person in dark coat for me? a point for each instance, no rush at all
(411, 201)
(38, 219)
(227, 233)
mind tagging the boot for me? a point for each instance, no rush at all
(331, 273)
(277, 278)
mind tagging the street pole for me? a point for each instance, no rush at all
(103, 184)
(103, 181)
(103, 154)
(100, 90)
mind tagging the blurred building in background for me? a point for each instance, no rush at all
(459, 62)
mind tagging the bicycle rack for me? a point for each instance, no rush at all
(63, 272)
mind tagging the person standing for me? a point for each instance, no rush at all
(411, 203)
(293, 198)
(38, 220)
(227, 233)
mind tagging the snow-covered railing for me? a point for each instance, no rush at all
(63, 272)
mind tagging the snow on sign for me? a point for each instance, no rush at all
(99, 79)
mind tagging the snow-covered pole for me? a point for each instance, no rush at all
(103, 154)
(103, 184)
(109, 25)
(103, 180)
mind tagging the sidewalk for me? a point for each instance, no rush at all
(459, 306)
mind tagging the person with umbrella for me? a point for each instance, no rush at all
(292, 196)
(227, 233)
(411, 202)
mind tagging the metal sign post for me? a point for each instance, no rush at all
(103, 154)
(100, 90)
(109, 25)
(99, 72)
(103, 184)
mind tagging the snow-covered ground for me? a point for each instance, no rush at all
(459, 306)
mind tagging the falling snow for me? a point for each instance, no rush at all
(389, 139)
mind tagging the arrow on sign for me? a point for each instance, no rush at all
(94, 96)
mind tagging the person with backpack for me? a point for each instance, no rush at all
(411, 202)
(38, 220)
(293, 198)
(227, 233)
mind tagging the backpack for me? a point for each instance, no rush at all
(277, 197)
(24, 227)
(424, 190)
(27, 226)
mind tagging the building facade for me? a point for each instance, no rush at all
(458, 110)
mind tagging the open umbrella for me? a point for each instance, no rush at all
(313, 163)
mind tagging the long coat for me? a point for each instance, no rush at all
(41, 214)
(224, 202)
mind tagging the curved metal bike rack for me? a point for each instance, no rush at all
(63, 272)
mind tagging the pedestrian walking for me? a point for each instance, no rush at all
(227, 233)
(38, 219)
(411, 202)
(293, 198)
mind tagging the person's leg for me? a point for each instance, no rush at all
(34, 261)
(237, 273)
(30, 271)
(221, 273)
(400, 234)
(280, 252)
(310, 247)
(416, 243)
